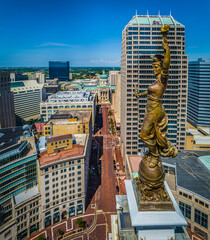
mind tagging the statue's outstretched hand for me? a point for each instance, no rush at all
(165, 28)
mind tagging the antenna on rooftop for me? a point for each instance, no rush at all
(136, 12)
(159, 13)
(170, 12)
(147, 12)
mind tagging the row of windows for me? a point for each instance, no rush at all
(156, 37)
(199, 217)
(155, 28)
(66, 106)
(63, 170)
(63, 165)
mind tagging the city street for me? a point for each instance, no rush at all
(102, 188)
(107, 191)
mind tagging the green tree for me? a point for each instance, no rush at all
(80, 222)
(60, 232)
(41, 237)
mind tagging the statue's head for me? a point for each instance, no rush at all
(157, 64)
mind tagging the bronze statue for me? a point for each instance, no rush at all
(153, 130)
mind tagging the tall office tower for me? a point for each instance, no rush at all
(198, 107)
(58, 69)
(7, 111)
(141, 39)
(27, 97)
(113, 76)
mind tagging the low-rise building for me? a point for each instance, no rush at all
(52, 89)
(69, 122)
(103, 94)
(68, 100)
(63, 170)
(39, 76)
(187, 176)
(197, 138)
(103, 81)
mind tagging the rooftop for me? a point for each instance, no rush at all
(71, 96)
(26, 195)
(134, 163)
(17, 84)
(205, 161)
(28, 84)
(76, 151)
(46, 159)
(64, 117)
(201, 135)
(11, 136)
(191, 171)
(39, 126)
(57, 138)
(206, 129)
(201, 61)
(153, 20)
(104, 76)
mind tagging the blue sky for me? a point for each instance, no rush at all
(88, 33)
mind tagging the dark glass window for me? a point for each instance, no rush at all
(186, 209)
(201, 218)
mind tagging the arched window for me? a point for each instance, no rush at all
(71, 211)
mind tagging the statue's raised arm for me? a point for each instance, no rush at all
(167, 58)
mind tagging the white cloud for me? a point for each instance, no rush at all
(105, 62)
(54, 44)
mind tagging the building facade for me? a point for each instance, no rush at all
(28, 212)
(116, 101)
(103, 81)
(7, 110)
(18, 173)
(67, 100)
(27, 97)
(103, 94)
(59, 69)
(187, 176)
(113, 76)
(141, 39)
(198, 105)
(64, 177)
(69, 122)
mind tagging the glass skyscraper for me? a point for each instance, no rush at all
(59, 69)
(18, 167)
(141, 39)
(198, 107)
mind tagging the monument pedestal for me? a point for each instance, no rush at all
(153, 220)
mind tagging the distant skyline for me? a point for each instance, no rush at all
(88, 33)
